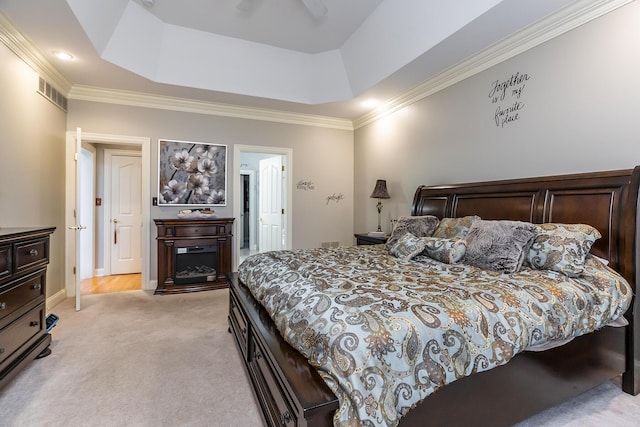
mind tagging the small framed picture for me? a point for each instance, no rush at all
(191, 173)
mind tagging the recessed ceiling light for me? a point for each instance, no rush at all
(370, 103)
(60, 54)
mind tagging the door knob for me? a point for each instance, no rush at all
(115, 221)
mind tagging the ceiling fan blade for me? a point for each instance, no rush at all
(316, 7)
(245, 5)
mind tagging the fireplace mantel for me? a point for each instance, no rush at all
(180, 236)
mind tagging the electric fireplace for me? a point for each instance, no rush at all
(195, 264)
(193, 254)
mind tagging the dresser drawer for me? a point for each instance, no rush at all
(200, 230)
(238, 324)
(20, 292)
(20, 333)
(31, 254)
(5, 261)
(276, 406)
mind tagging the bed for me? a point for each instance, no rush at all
(291, 391)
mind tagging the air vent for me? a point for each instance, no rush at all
(49, 92)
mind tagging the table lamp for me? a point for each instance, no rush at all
(380, 192)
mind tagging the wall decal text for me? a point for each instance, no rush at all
(305, 185)
(507, 94)
(335, 198)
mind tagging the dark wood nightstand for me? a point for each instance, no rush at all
(366, 239)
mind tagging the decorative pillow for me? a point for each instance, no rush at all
(419, 226)
(449, 251)
(451, 228)
(407, 246)
(499, 245)
(562, 247)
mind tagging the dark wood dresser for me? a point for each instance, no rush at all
(193, 254)
(24, 255)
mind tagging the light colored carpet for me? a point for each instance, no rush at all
(135, 359)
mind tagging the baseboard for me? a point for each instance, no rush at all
(151, 286)
(98, 272)
(56, 299)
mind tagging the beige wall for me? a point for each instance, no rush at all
(581, 113)
(32, 185)
(321, 155)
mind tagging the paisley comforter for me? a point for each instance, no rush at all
(384, 333)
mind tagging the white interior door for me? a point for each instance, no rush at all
(78, 214)
(86, 212)
(270, 205)
(125, 218)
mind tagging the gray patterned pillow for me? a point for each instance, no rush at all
(419, 226)
(449, 251)
(562, 247)
(407, 246)
(499, 245)
(451, 228)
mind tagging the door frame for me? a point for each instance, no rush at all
(287, 153)
(70, 246)
(106, 202)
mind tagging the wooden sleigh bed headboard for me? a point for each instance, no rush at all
(606, 200)
(290, 392)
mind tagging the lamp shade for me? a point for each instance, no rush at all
(380, 190)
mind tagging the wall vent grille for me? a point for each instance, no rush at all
(45, 89)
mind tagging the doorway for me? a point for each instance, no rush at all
(100, 279)
(251, 196)
(117, 236)
(248, 211)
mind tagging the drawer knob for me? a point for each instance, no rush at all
(3, 305)
(34, 323)
(33, 252)
(1, 350)
(37, 286)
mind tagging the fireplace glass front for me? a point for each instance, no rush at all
(195, 264)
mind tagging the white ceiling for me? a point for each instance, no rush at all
(271, 54)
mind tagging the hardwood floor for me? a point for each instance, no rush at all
(108, 284)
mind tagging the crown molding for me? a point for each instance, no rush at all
(137, 99)
(30, 54)
(579, 13)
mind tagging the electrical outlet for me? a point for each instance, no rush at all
(330, 244)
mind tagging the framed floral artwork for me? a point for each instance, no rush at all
(192, 173)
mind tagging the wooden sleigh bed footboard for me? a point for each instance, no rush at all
(291, 393)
